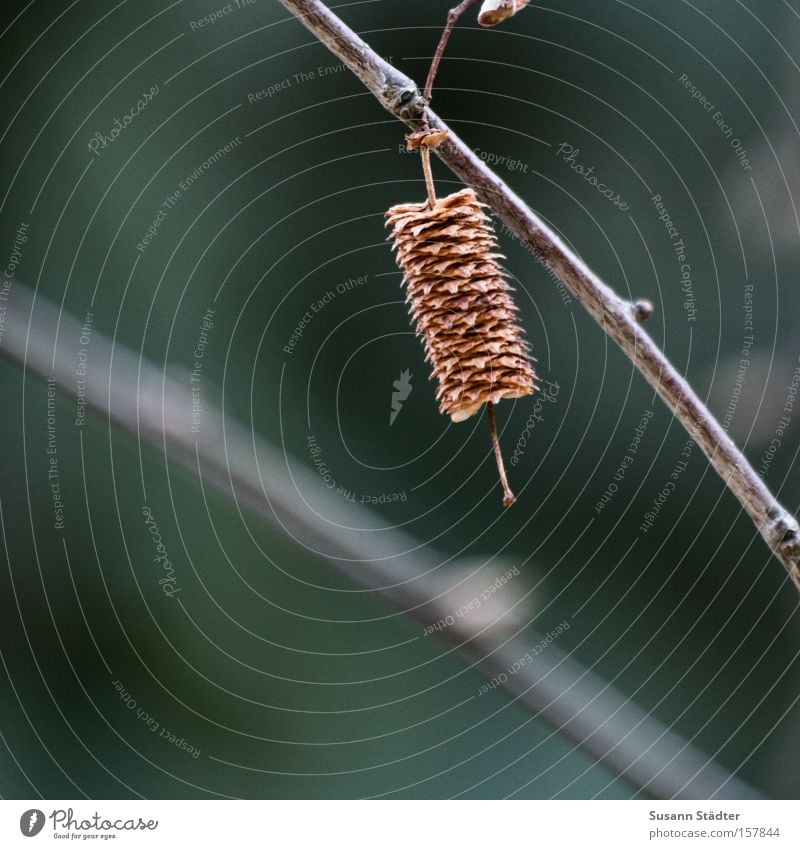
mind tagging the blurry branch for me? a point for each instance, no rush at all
(156, 409)
(398, 94)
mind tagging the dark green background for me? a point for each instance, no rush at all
(255, 677)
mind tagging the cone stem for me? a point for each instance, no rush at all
(508, 496)
(425, 154)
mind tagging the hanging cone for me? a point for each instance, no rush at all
(461, 303)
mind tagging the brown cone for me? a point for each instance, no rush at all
(461, 303)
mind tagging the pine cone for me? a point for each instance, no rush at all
(461, 303)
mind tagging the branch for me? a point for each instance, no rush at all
(399, 95)
(122, 387)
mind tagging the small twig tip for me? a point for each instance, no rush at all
(642, 310)
(508, 496)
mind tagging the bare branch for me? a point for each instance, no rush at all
(398, 94)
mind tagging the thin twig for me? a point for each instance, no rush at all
(399, 95)
(452, 17)
(124, 388)
(508, 496)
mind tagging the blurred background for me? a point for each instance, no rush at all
(205, 185)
